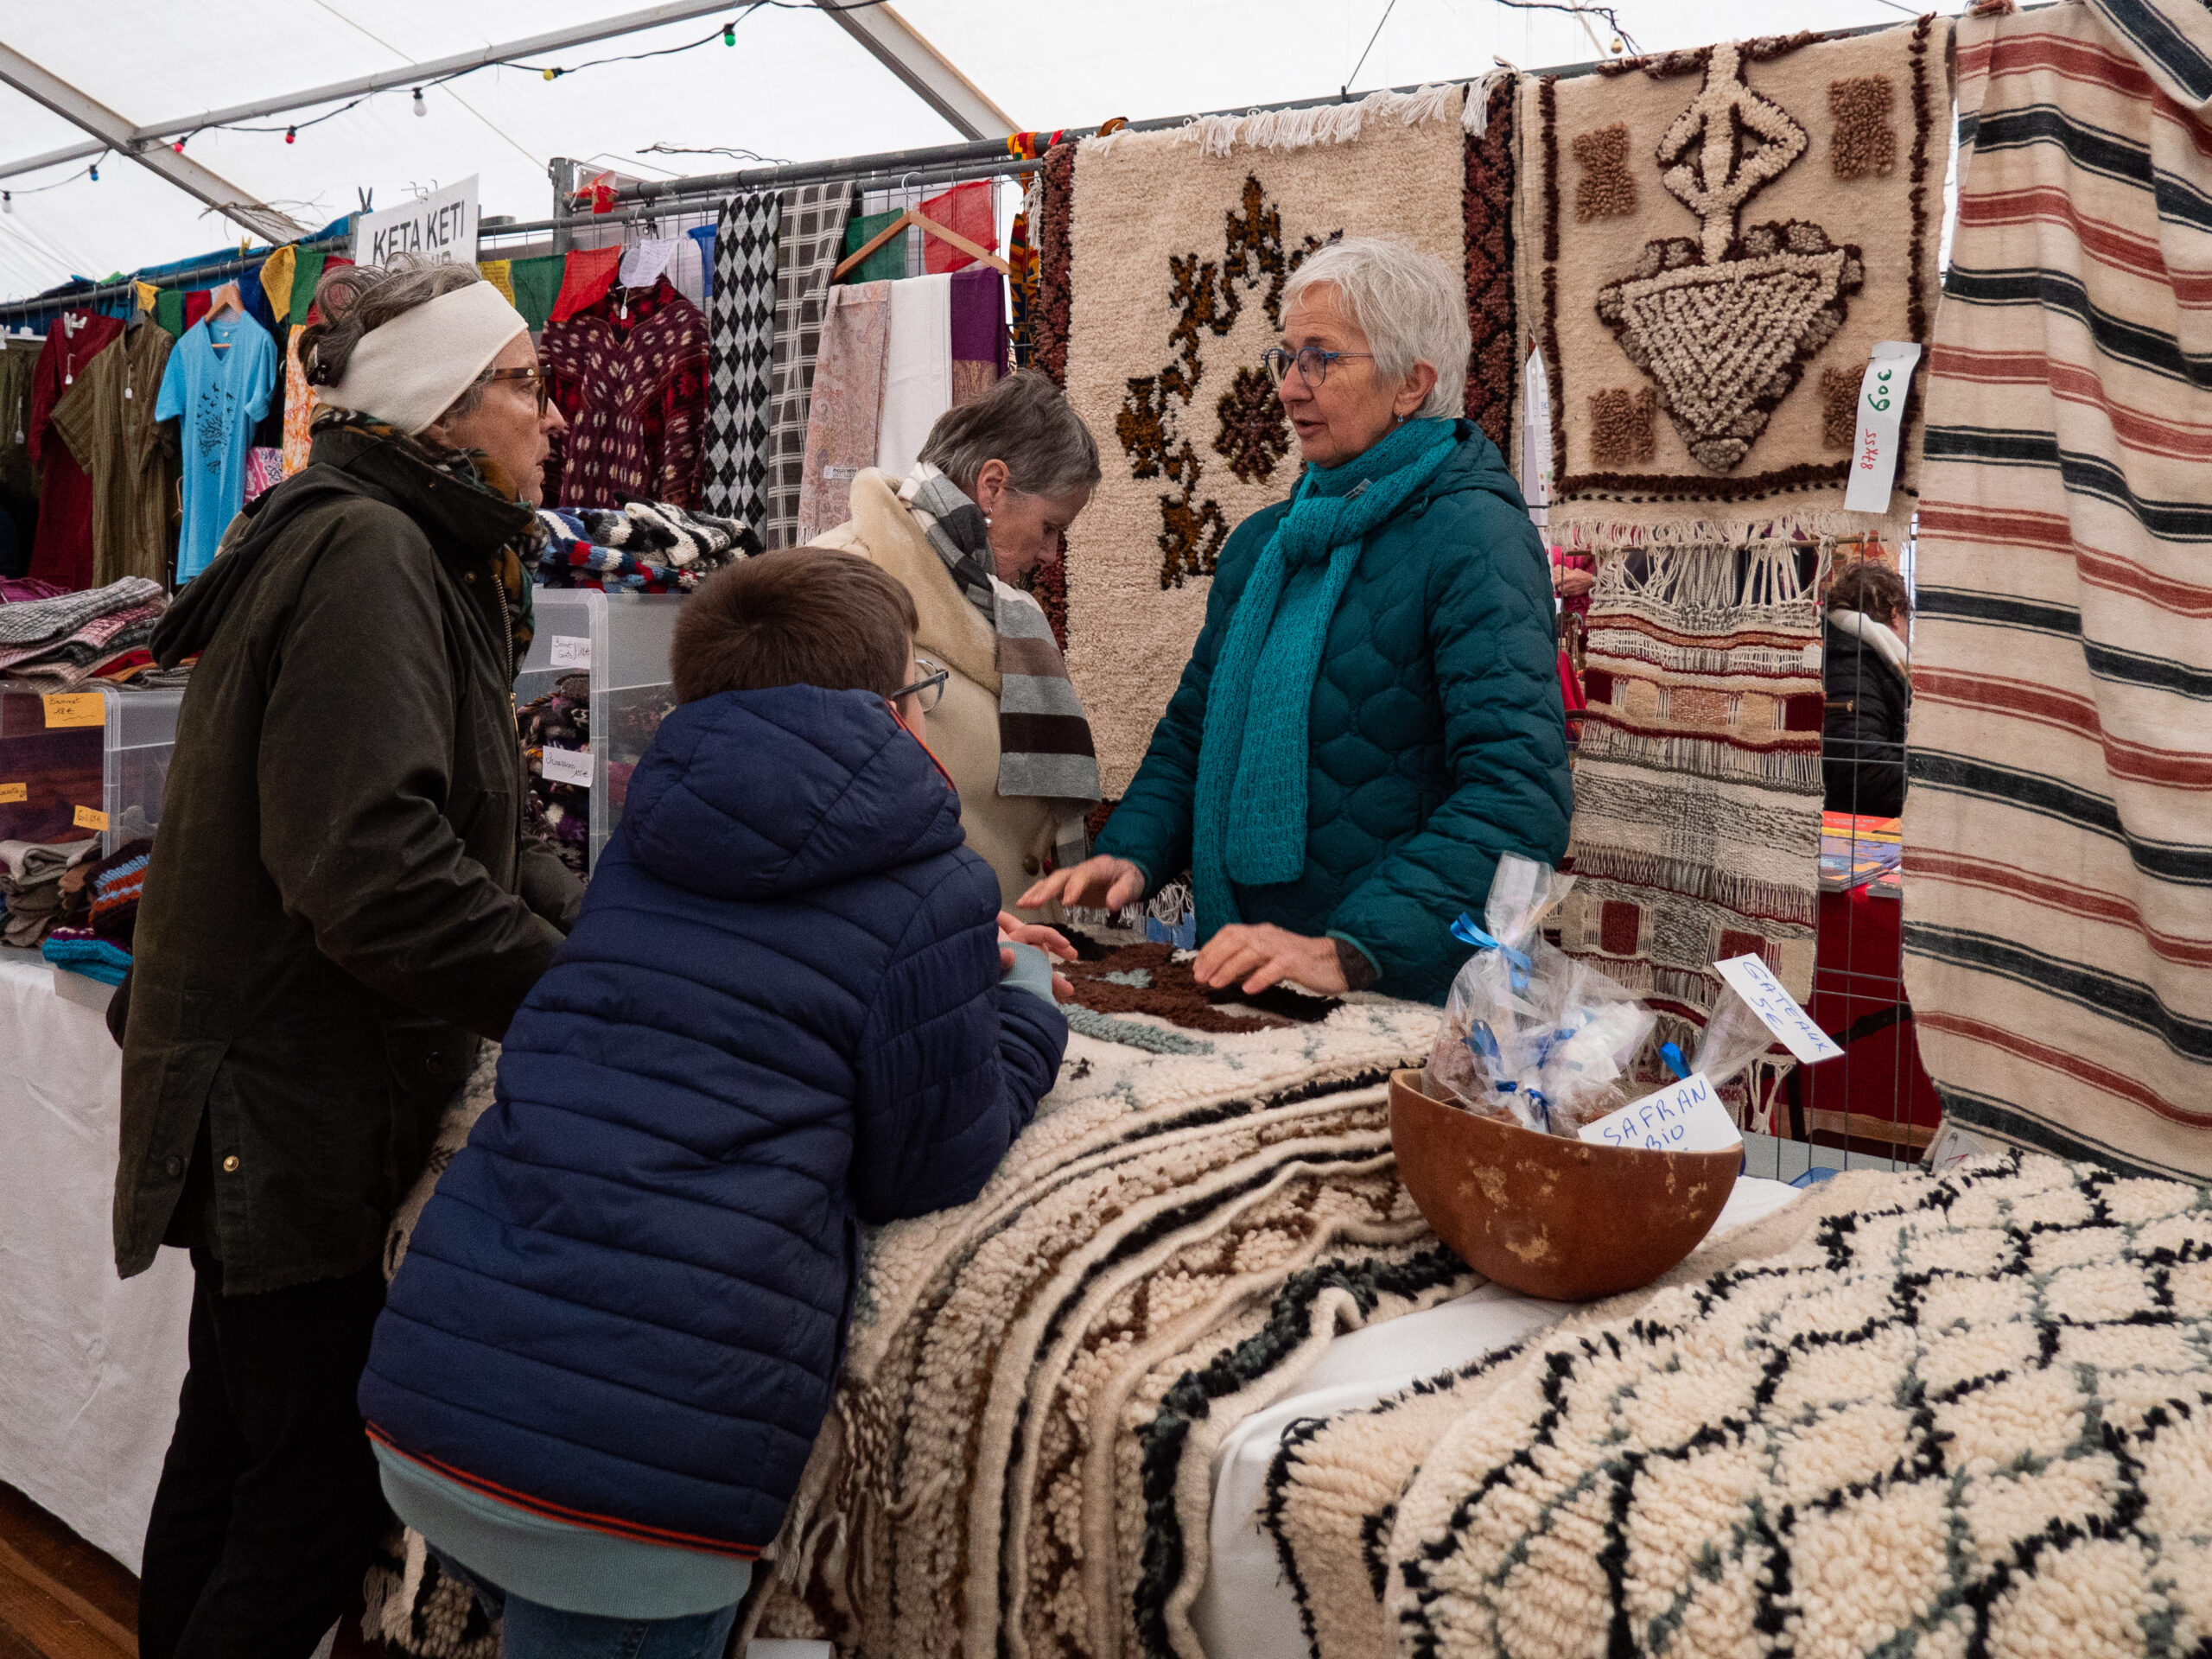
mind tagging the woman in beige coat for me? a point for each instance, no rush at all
(999, 481)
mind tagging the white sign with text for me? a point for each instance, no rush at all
(1685, 1116)
(1753, 981)
(441, 227)
(1881, 417)
(567, 766)
(572, 650)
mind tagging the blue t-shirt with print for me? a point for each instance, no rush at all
(219, 380)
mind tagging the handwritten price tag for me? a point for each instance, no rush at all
(567, 766)
(1686, 1117)
(11, 793)
(86, 818)
(75, 709)
(1751, 979)
(1881, 415)
(571, 651)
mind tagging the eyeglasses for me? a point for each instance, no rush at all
(1311, 363)
(534, 374)
(926, 690)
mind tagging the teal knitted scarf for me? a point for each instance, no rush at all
(1253, 748)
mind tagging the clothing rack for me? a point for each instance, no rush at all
(945, 164)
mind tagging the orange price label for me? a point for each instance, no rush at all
(86, 818)
(11, 793)
(75, 709)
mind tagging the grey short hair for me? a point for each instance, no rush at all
(1411, 306)
(354, 299)
(1025, 422)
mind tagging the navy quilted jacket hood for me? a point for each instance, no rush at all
(1436, 737)
(853, 794)
(779, 1017)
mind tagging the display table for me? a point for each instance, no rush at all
(90, 1365)
(1247, 1610)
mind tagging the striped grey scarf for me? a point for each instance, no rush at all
(1044, 745)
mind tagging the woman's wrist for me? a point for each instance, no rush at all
(1353, 961)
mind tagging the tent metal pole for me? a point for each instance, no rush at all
(45, 88)
(929, 74)
(413, 74)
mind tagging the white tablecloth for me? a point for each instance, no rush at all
(90, 1365)
(1246, 1609)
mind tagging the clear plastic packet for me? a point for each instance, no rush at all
(1529, 1034)
(1733, 1038)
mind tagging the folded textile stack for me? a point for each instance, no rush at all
(31, 884)
(648, 547)
(79, 951)
(98, 910)
(115, 883)
(57, 643)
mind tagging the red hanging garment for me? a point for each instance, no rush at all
(61, 552)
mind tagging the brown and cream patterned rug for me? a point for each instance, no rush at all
(1711, 243)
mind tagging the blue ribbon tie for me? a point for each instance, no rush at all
(1466, 932)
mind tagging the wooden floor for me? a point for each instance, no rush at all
(60, 1598)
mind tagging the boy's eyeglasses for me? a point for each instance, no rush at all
(925, 691)
(1311, 364)
(533, 373)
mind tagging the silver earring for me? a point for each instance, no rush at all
(987, 521)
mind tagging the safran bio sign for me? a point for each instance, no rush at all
(441, 227)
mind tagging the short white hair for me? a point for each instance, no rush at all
(1411, 306)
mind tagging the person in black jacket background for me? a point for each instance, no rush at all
(342, 899)
(1869, 688)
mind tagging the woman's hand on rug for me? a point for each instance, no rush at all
(1101, 882)
(1571, 584)
(1255, 955)
(1013, 931)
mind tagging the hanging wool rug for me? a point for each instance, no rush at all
(1698, 785)
(2058, 892)
(1969, 1415)
(742, 326)
(1179, 244)
(1712, 242)
(1018, 1460)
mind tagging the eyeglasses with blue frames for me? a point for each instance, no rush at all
(1311, 362)
(925, 691)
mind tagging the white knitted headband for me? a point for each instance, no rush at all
(409, 370)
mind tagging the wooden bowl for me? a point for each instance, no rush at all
(1546, 1214)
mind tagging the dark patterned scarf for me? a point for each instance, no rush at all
(511, 564)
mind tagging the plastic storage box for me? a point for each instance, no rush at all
(621, 641)
(72, 764)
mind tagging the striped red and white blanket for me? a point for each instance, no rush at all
(2058, 899)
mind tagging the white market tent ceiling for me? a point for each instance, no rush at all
(794, 86)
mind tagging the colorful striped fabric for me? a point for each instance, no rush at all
(2058, 846)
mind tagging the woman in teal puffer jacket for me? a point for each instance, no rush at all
(1371, 714)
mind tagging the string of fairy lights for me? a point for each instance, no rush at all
(726, 35)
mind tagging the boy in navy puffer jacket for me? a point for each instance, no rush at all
(783, 1012)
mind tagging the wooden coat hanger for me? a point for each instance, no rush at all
(930, 228)
(225, 298)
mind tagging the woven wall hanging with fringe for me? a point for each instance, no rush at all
(1711, 243)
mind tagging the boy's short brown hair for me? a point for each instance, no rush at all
(799, 616)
